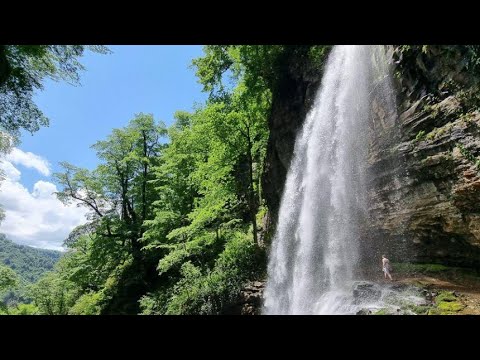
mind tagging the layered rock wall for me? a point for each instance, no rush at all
(425, 187)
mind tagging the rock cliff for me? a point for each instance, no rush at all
(425, 188)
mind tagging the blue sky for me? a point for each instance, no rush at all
(114, 87)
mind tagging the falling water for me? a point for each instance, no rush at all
(315, 252)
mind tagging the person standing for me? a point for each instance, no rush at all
(386, 267)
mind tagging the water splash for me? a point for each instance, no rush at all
(315, 251)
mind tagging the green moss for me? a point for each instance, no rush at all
(445, 296)
(419, 268)
(381, 312)
(262, 211)
(419, 309)
(446, 304)
(420, 136)
(450, 307)
(469, 156)
(434, 311)
(431, 135)
(436, 132)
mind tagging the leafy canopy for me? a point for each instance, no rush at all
(22, 71)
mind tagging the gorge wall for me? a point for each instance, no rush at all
(425, 192)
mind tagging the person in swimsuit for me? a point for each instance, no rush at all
(386, 267)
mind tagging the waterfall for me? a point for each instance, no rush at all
(315, 251)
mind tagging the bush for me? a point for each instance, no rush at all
(207, 291)
(25, 309)
(87, 304)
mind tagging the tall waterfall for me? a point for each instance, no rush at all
(315, 251)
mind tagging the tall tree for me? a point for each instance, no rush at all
(119, 192)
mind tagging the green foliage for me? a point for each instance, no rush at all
(6, 143)
(209, 193)
(473, 57)
(318, 54)
(419, 309)
(419, 268)
(259, 67)
(469, 156)
(8, 278)
(420, 136)
(28, 263)
(154, 303)
(207, 291)
(24, 309)
(445, 296)
(54, 295)
(450, 307)
(446, 304)
(105, 257)
(87, 304)
(414, 64)
(22, 70)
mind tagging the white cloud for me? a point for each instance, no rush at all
(9, 171)
(29, 160)
(35, 218)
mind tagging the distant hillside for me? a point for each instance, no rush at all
(29, 263)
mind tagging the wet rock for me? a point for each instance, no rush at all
(399, 286)
(249, 301)
(364, 290)
(426, 189)
(364, 312)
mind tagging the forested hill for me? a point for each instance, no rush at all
(29, 263)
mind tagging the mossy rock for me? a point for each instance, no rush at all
(434, 311)
(446, 304)
(450, 307)
(445, 296)
(382, 312)
(419, 309)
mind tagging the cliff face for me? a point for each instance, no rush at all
(292, 98)
(425, 188)
(426, 201)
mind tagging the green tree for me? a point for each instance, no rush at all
(8, 278)
(119, 194)
(53, 295)
(259, 67)
(22, 71)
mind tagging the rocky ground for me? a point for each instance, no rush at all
(463, 291)
(417, 289)
(436, 290)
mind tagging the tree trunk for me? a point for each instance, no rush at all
(144, 180)
(251, 189)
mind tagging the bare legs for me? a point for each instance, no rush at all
(390, 276)
(386, 273)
